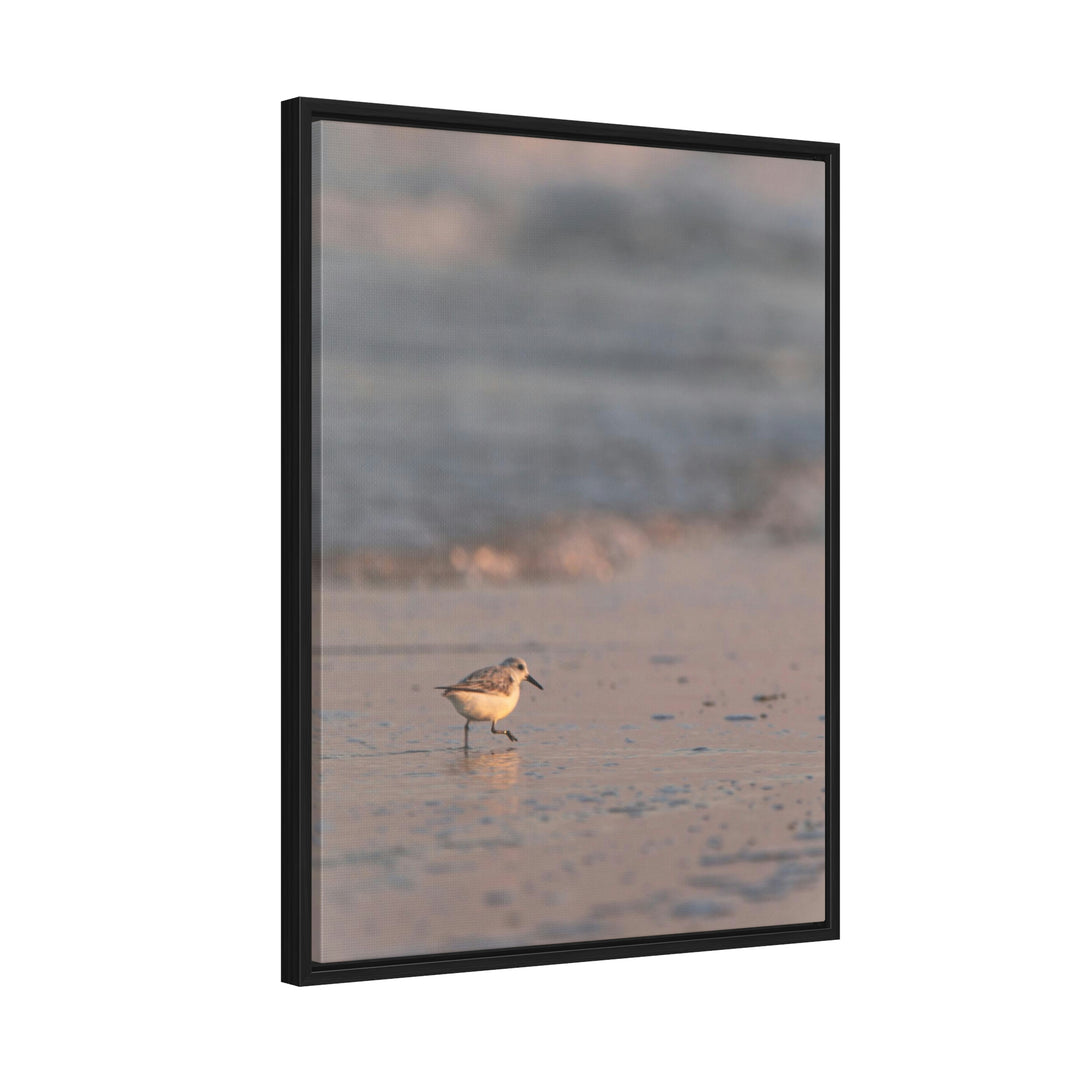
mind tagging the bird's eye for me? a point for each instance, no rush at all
(521, 667)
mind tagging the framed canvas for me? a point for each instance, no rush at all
(560, 552)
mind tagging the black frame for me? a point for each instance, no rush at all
(297, 115)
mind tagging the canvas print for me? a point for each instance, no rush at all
(568, 524)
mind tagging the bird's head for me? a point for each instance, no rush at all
(520, 670)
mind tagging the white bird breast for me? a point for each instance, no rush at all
(485, 708)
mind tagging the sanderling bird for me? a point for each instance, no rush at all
(490, 694)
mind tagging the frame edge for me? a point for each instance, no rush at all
(295, 501)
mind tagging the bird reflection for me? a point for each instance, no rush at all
(498, 769)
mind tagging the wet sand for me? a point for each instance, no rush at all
(669, 779)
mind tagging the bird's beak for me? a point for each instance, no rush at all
(529, 678)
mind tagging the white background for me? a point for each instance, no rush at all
(140, 560)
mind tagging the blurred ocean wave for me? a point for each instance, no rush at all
(587, 546)
(509, 335)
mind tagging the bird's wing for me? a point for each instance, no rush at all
(488, 680)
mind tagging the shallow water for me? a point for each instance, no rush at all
(600, 822)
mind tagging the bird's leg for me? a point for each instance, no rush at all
(467, 734)
(503, 731)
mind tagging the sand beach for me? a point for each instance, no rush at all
(669, 779)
